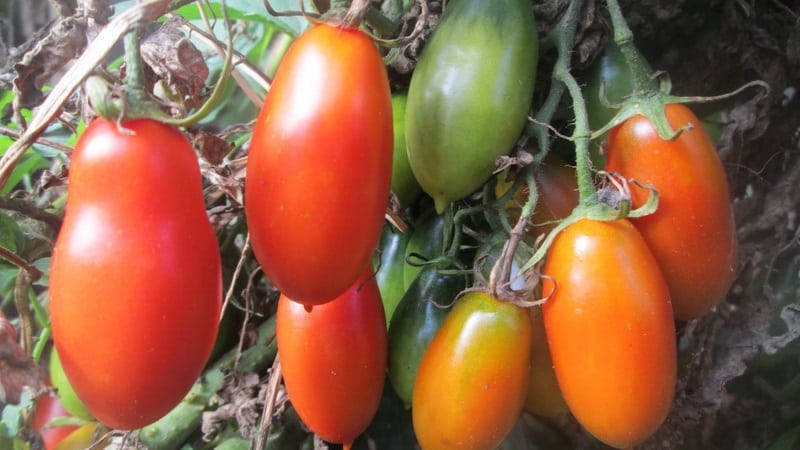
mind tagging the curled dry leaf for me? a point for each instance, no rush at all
(173, 58)
(64, 42)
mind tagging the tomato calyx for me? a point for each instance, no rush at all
(651, 91)
(134, 101)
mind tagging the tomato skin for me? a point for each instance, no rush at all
(610, 330)
(320, 162)
(136, 280)
(333, 359)
(470, 95)
(473, 378)
(692, 234)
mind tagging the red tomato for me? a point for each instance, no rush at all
(333, 358)
(473, 377)
(610, 330)
(136, 281)
(692, 235)
(320, 164)
(49, 407)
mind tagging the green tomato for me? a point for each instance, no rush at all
(66, 393)
(418, 317)
(390, 268)
(470, 95)
(404, 184)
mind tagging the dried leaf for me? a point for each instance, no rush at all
(173, 57)
(64, 42)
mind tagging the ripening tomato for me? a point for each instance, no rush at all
(692, 234)
(544, 397)
(49, 407)
(558, 195)
(320, 164)
(473, 377)
(333, 358)
(610, 330)
(136, 280)
(470, 95)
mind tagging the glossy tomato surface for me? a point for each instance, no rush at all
(692, 235)
(333, 358)
(470, 94)
(473, 378)
(610, 330)
(135, 282)
(320, 162)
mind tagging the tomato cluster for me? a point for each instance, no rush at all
(362, 302)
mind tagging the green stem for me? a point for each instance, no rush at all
(623, 36)
(135, 92)
(581, 136)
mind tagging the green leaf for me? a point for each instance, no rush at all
(13, 416)
(11, 237)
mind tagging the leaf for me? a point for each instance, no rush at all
(787, 441)
(11, 237)
(12, 419)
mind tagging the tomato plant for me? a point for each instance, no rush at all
(319, 166)
(692, 234)
(610, 330)
(135, 281)
(333, 358)
(470, 94)
(473, 378)
(418, 317)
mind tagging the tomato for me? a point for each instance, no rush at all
(473, 377)
(544, 397)
(66, 393)
(470, 95)
(390, 268)
(320, 164)
(692, 234)
(135, 281)
(610, 330)
(404, 184)
(49, 407)
(426, 242)
(418, 317)
(558, 195)
(333, 358)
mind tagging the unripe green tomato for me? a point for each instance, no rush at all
(404, 184)
(66, 393)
